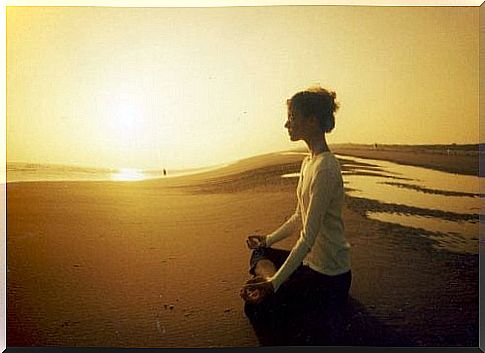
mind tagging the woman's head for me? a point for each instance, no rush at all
(314, 108)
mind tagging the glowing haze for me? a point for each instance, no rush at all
(182, 88)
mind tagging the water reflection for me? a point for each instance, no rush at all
(128, 175)
(432, 179)
(392, 183)
(419, 187)
(456, 236)
(291, 175)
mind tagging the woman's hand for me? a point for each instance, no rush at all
(256, 241)
(256, 290)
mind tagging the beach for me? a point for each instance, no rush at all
(448, 158)
(159, 263)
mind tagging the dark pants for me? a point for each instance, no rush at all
(305, 289)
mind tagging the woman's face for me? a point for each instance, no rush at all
(296, 124)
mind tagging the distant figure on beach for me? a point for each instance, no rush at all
(317, 270)
(375, 146)
(164, 172)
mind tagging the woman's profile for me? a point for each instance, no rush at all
(317, 269)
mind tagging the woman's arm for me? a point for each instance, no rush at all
(292, 225)
(286, 229)
(321, 193)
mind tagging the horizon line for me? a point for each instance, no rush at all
(297, 149)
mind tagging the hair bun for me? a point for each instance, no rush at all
(336, 105)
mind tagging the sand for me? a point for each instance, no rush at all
(159, 263)
(461, 161)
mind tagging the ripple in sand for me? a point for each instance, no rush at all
(431, 191)
(460, 237)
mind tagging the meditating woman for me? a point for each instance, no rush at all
(317, 270)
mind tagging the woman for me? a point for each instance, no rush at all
(317, 270)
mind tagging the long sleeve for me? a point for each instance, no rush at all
(321, 193)
(286, 229)
(292, 225)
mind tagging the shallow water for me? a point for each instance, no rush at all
(392, 183)
(22, 172)
(422, 190)
(291, 175)
(459, 237)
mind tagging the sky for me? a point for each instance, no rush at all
(191, 87)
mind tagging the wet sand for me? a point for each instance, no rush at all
(452, 159)
(159, 263)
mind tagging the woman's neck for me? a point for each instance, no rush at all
(317, 144)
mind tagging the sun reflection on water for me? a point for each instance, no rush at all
(126, 174)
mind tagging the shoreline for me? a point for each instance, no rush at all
(464, 162)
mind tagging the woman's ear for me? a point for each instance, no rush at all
(314, 121)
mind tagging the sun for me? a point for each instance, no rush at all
(126, 116)
(127, 122)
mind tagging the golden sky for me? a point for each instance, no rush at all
(182, 88)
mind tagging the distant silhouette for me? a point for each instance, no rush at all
(375, 146)
(164, 172)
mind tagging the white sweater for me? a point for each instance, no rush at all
(322, 245)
